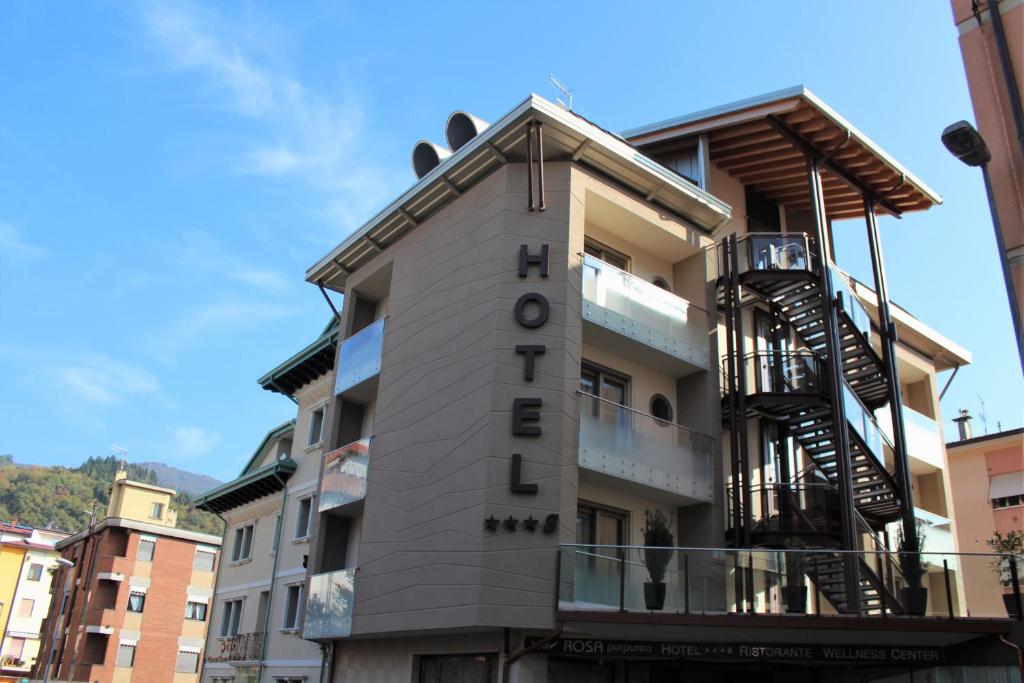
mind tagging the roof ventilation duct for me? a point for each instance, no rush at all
(426, 156)
(461, 128)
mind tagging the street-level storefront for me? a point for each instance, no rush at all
(913, 654)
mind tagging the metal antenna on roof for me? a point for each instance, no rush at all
(123, 452)
(984, 418)
(565, 91)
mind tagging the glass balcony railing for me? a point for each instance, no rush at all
(852, 306)
(770, 581)
(803, 507)
(936, 530)
(924, 441)
(359, 359)
(344, 479)
(644, 312)
(625, 443)
(774, 251)
(329, 605)
(780, 372)
(863, 422)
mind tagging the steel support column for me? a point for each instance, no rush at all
(892, 374)
(834, 363)
(741, 393)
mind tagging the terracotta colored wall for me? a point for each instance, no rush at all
(994, 117)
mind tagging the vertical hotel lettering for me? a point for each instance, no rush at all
(531, 311)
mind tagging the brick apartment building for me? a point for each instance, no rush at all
(134, 604)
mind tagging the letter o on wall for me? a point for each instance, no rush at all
(532, 298)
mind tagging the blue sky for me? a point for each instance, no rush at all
(170, 170)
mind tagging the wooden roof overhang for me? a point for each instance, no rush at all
(567, 137)
(247, 488)
(763, 142)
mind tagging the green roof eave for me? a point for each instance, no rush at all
(274, 433)
(247, 488)
(327, 338)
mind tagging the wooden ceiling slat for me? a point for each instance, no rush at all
(751, 141)
(792, 163)
(781, 155)
(800, 115)
(773, 174)
(738, 131)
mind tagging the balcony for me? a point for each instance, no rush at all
(344, 480)
(653, 455)
(244, 647)
(936, 529)
(359, 363)
(329, 605)
(924, 442)
(635, 317)
(794, 582)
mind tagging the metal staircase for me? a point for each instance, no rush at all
(792, 389)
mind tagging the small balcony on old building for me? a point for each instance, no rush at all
(329, 602)
(654, 458)
(630, 316)
(240, 648)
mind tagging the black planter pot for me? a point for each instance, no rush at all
(796, 599)
(915, 600)
(1013, 605)
(654, 596)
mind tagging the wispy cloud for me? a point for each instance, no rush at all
(12, 244)
(212, 320)
(193, 442)
(322, 140)
(199, 249)
(85, 377)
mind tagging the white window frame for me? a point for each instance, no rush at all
(322, 410)
(157, 508)
(285, 626)
(298, 519)
(32, 566)
(238, 543)
(234, 620)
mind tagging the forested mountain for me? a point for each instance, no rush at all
(180, 480)
(65, 497)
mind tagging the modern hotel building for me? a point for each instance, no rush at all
(607, 408)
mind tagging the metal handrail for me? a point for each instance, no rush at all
(667, 423)
(775, 550)
(605, 264)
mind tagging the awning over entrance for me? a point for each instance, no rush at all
(762, 143)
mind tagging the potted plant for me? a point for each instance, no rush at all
(795, 591)
(1010, 548)
(913, 568)
(658, 542)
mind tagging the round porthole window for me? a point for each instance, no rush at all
(661, 408)
(661, 282)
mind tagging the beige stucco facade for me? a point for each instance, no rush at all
(261, 581)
